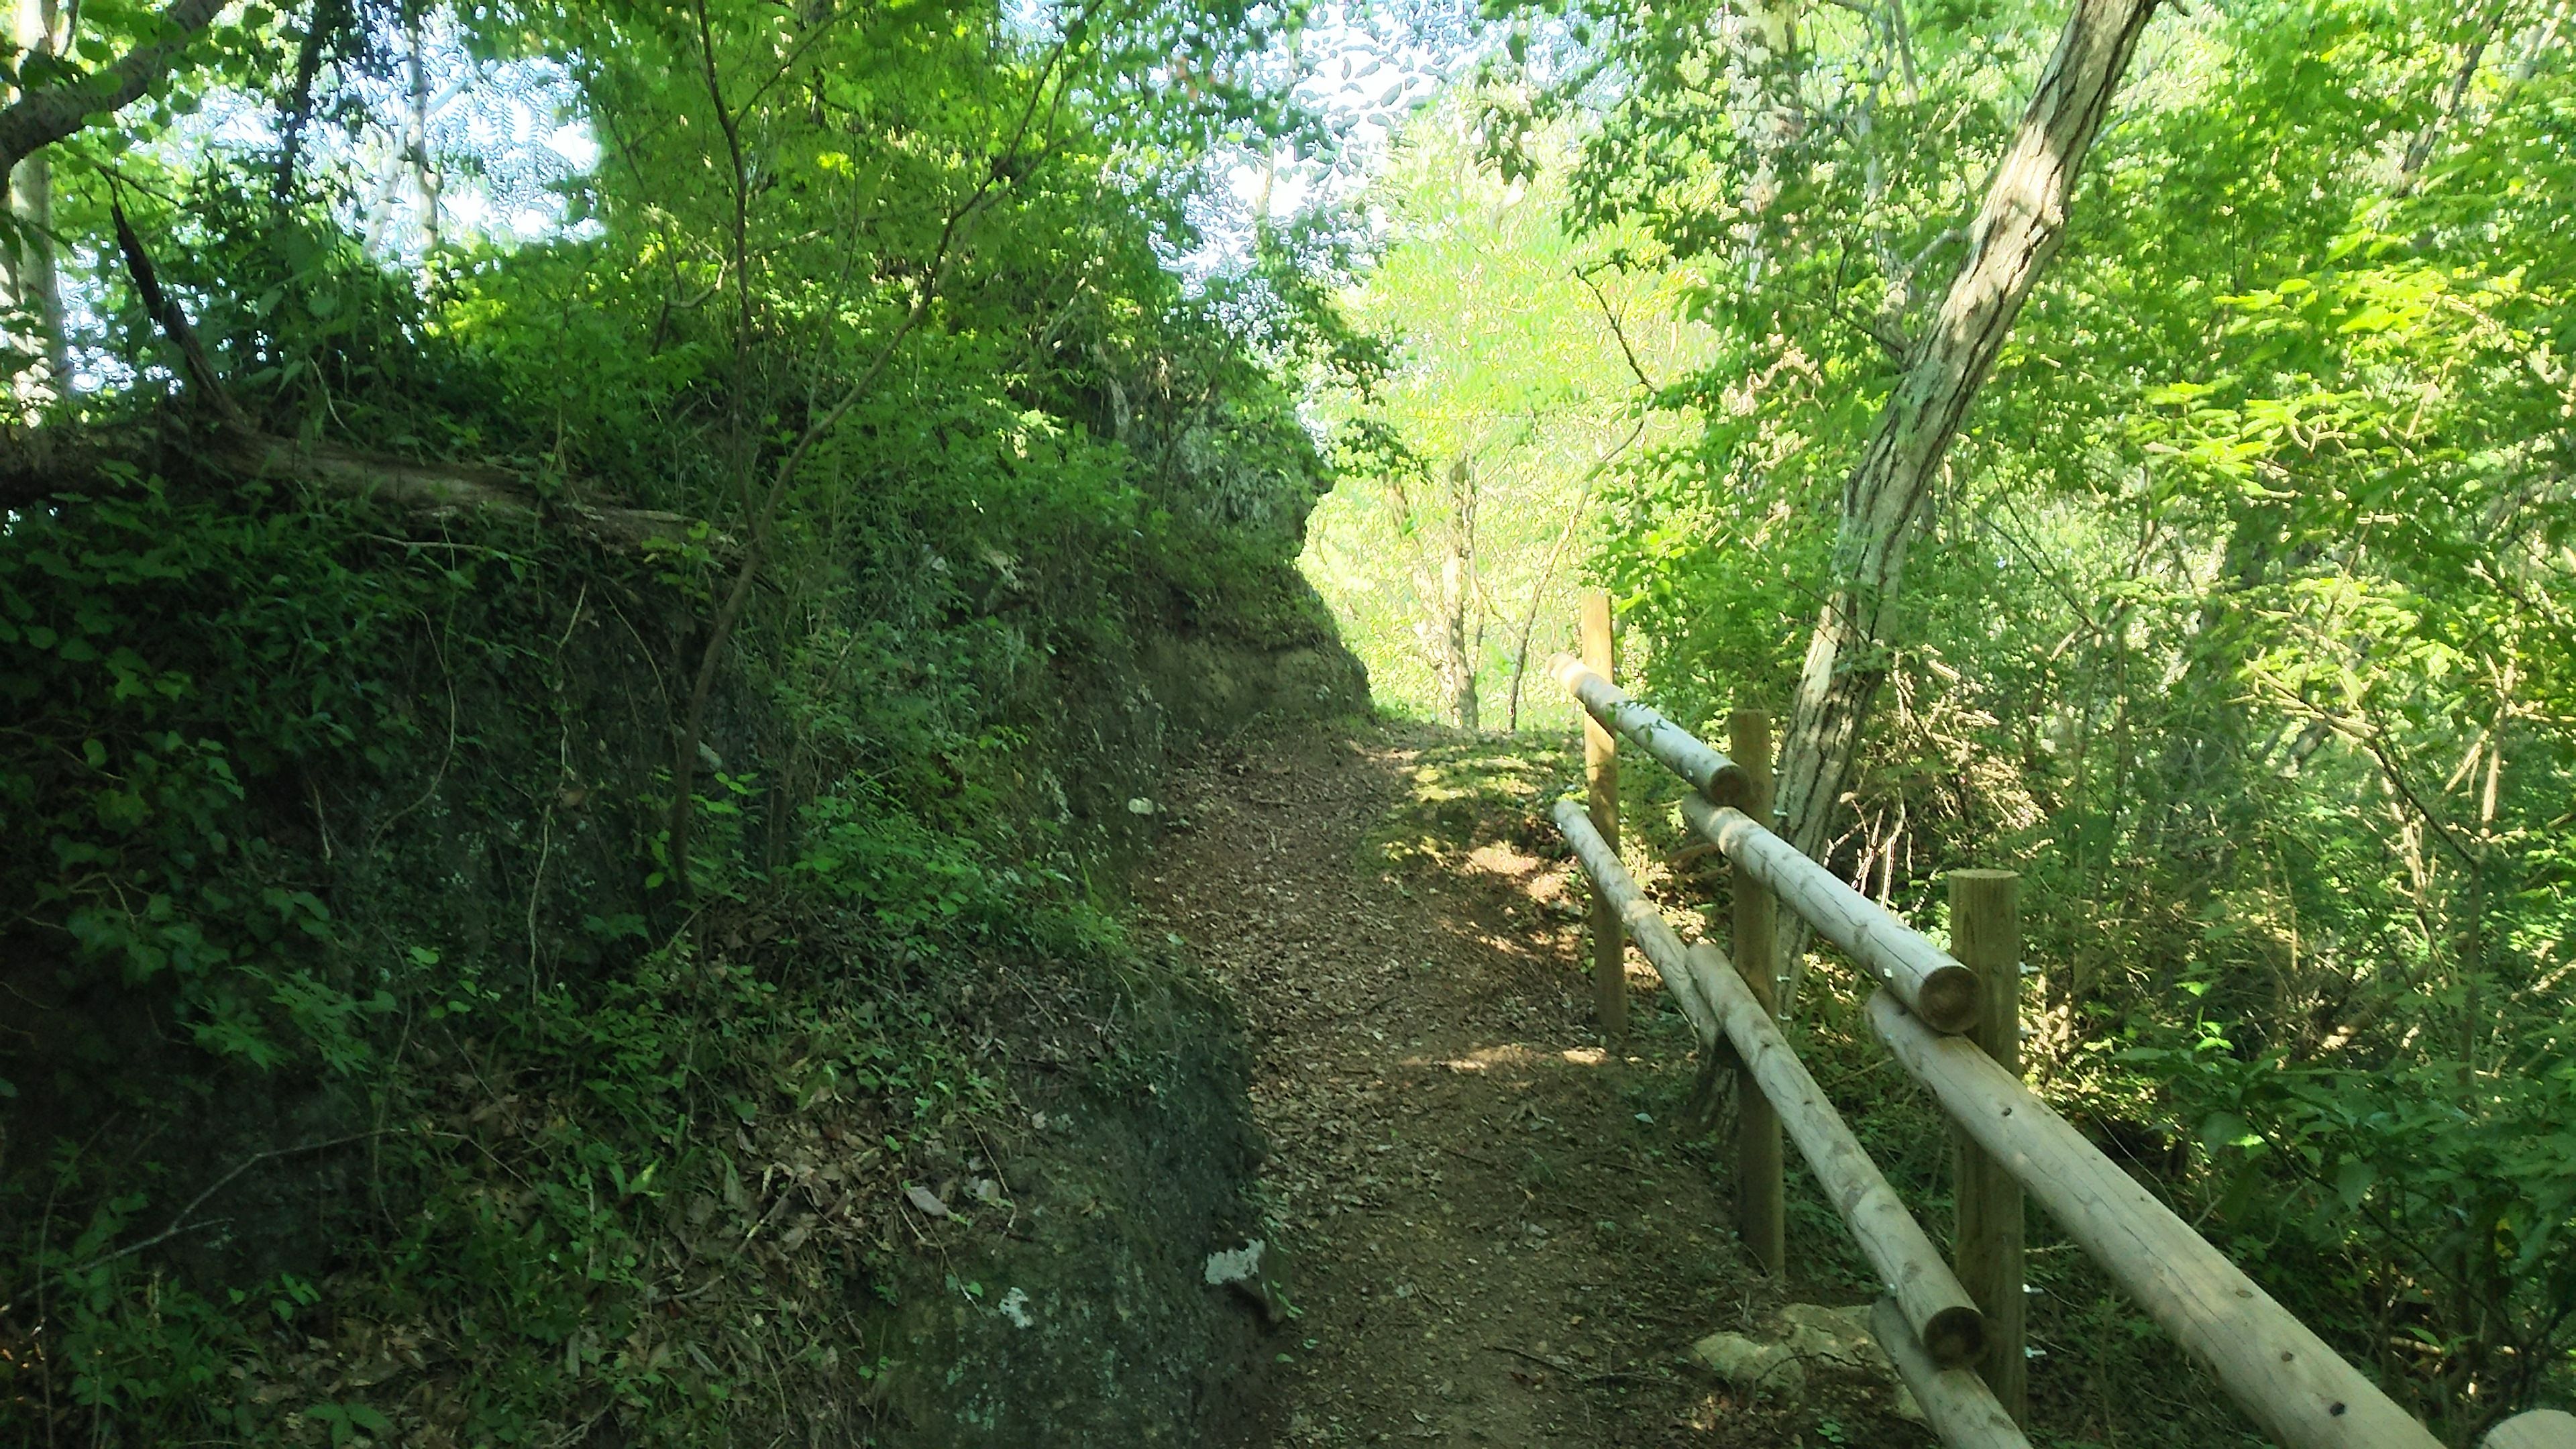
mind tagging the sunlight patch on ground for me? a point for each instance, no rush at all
(1506, 860)
(1516, 1054)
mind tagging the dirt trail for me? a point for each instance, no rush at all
(1495, 1241)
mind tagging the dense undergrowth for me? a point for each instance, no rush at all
(2104, 1374)
(361, 1079)
(371, 1074)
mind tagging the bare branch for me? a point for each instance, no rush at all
(1005, 166)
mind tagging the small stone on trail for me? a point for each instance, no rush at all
(1234, 1265)
(926, 1200)
(1241, 1270)
(1808, 1333)
(1015, 1307)
(1139, 805)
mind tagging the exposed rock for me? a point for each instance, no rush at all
(1806, 1336)
(1228, 1266)
(1255, 1271)
(1752, 1365)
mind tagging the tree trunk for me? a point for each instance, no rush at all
(2016, 231)
(1458, 600)
(425, 178)
(34, 281)
(1457, 665)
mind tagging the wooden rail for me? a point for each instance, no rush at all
(1934, 986)
(2282, 1375)
(1958, 1404)
(1676, 749)
(1721, 1007)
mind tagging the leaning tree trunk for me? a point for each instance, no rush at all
(2016, 231)
(42, 115)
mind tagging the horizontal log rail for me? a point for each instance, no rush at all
(2282, 1375)
(1954, 1401)
(1713, 775)
(1936, 1309)
(2271, 1365)
(1944, 994)
(1932, 985)
(1645, 925)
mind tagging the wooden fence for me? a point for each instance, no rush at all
(1954, 1327)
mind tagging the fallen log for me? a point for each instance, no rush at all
(53, 463)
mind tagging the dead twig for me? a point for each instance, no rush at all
(1570, 1371)
(179, 1224)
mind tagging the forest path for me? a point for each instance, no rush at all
(1497, 1236)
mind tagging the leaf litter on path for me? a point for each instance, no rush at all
(1502, 1236)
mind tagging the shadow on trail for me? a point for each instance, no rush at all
(1494, 1239)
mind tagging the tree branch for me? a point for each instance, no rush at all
(179, 1224)
(173, 322)
(239, 446)
(1610, 315)
(69, 463)
(2016, 232)
(39, 118)
(1005, 166)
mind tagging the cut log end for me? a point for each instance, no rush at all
(1731, 787)
(1956, 1336)
(1951, 1000)
(1960, 1409)
(2538, 1429)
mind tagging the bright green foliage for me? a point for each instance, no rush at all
(1527, 355)
(338, 834)
(2241, 621)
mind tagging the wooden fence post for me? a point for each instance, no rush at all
(1985, 935)
(1760, 1210)
(1601, 783)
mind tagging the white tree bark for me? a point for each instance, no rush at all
(34, 279)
